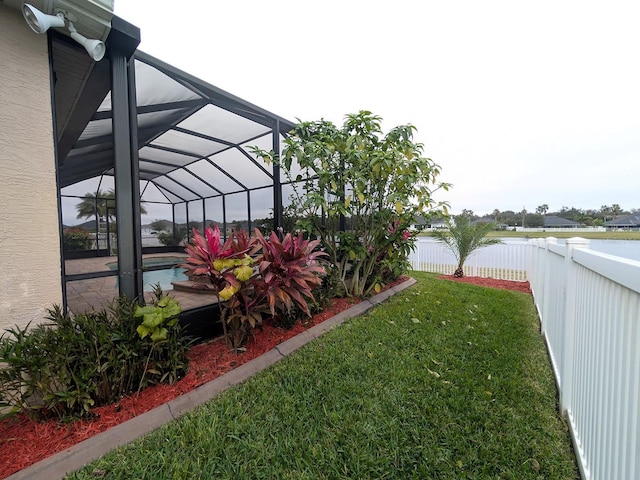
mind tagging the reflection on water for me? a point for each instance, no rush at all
(621, 248)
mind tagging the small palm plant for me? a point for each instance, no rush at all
(463, 238)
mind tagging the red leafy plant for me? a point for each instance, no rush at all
(289, 269)
(253, 276)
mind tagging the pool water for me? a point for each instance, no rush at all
(163, 277)
(168, 261)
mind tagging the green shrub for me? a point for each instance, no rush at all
(360, 188)
(170, 239)
(393, 256)
(76, 238)
(322, 295)
(66, 366)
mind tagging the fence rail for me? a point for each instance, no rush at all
(507, 261)
(589, 307)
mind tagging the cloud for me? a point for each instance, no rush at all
(520, 103)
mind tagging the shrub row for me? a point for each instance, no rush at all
(69, 364)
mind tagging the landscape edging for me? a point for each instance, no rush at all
(59, 465)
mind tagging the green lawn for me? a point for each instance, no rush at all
(444, 381)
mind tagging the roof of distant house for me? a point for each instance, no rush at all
(429, 221)
(628, 221)
(555, 221)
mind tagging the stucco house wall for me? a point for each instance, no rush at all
(30, 275)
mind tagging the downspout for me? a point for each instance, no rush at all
(52, 84)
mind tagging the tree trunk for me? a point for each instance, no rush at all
(458, 273)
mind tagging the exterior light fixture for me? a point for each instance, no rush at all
(95, 48)
(41, 22)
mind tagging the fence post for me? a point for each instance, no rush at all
(544, 301)
(536, 274)
(570, 320)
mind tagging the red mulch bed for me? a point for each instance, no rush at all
(24, 442)
(492, 283)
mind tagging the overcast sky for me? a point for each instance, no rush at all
(520, 103)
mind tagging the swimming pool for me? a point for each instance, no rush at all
(162, 276)
(154, 262)
(158, 261)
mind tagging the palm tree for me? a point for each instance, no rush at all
(100, 204)
(542, 209)
(462, 238)
(615, 210)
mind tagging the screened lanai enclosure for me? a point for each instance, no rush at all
(146, 152)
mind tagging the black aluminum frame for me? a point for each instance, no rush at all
(125, 141)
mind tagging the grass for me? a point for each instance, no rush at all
(480, 271)
(444, 381)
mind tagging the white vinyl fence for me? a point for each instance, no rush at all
(507, 261)
(589, 306)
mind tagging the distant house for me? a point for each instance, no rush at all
(625, 223)
(425, 224)
(489, 219)
(552, 221)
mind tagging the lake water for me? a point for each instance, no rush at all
(510, 255)
(621, 248)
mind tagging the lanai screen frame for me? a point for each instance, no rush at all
(154, 153)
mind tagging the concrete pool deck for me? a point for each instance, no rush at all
(94, 293)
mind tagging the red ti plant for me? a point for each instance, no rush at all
(290, 269)
(230, 269)
(209, 258)
(253, 276)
